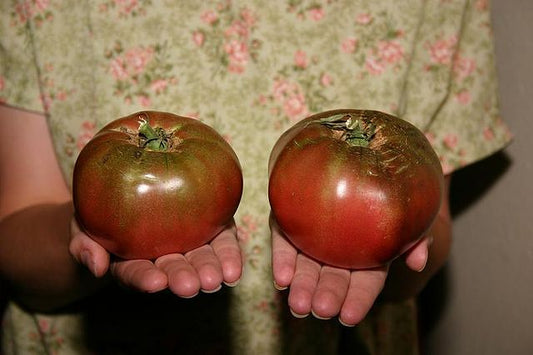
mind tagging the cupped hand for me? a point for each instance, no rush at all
(203, 269)
(327, 291)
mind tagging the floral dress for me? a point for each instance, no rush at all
(250, 69)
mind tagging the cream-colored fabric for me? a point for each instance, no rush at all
(250, 69)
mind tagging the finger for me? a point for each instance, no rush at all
(330, 292)
(182, 277)
(416, 258)
(364, 288)
(208, 268)
(88, 252)
(226, 248)
(283, 259)
(141, 275)
(303, 286)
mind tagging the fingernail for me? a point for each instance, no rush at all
(213, 290)
(346, 325)
(232, 284)
(319, 317)
(278, 287)
(425, 261)
(297, 315)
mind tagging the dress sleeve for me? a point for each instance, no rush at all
(457, 66)
(19, 85)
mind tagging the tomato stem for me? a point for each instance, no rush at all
(152, 138)
(354, 131)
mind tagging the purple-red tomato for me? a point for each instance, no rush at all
(354, 188)
(155, 183)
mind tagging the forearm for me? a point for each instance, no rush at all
(35, 261)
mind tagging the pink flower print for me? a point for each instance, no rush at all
(390, 51)
(138, 58)
(118, 69)
(441, 51)
(317, 13)
(300, 59)
(245, 229)
(374, 65)
(326, 80)
(363, 18)
(430, 137)
(463, 97)
(144, 100)
(262, 100)
(349, 45)
(42, 4)
(209, 17)
(238, 28)
(488, 134)
(250, 223)
(463, 67)
(126, 7)
(86, 134)
(61, 95)
(450, 141)
(159, 85)
(198, 38)
(248, 17)
(28, 9)
(24, 11)
(281, 86)
(290, 99)
(44, 325)
(238, 55)
(294, 106)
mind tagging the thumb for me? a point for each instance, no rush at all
(88, 252)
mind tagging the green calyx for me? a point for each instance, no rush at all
(153, 138)
(353, 131)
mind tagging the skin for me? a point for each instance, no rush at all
(386, 189)
(43, 256)
(197, 165)
(328, 292)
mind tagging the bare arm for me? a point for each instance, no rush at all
(35, 214)
(41, 244)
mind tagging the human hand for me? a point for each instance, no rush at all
(202, 269)
(327, 291)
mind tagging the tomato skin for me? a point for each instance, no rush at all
(354, 206)
(141, 203)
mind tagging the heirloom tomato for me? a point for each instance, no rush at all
(155, 183)
(354, 188)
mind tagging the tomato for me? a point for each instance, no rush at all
(354, 188)
(155, 183)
